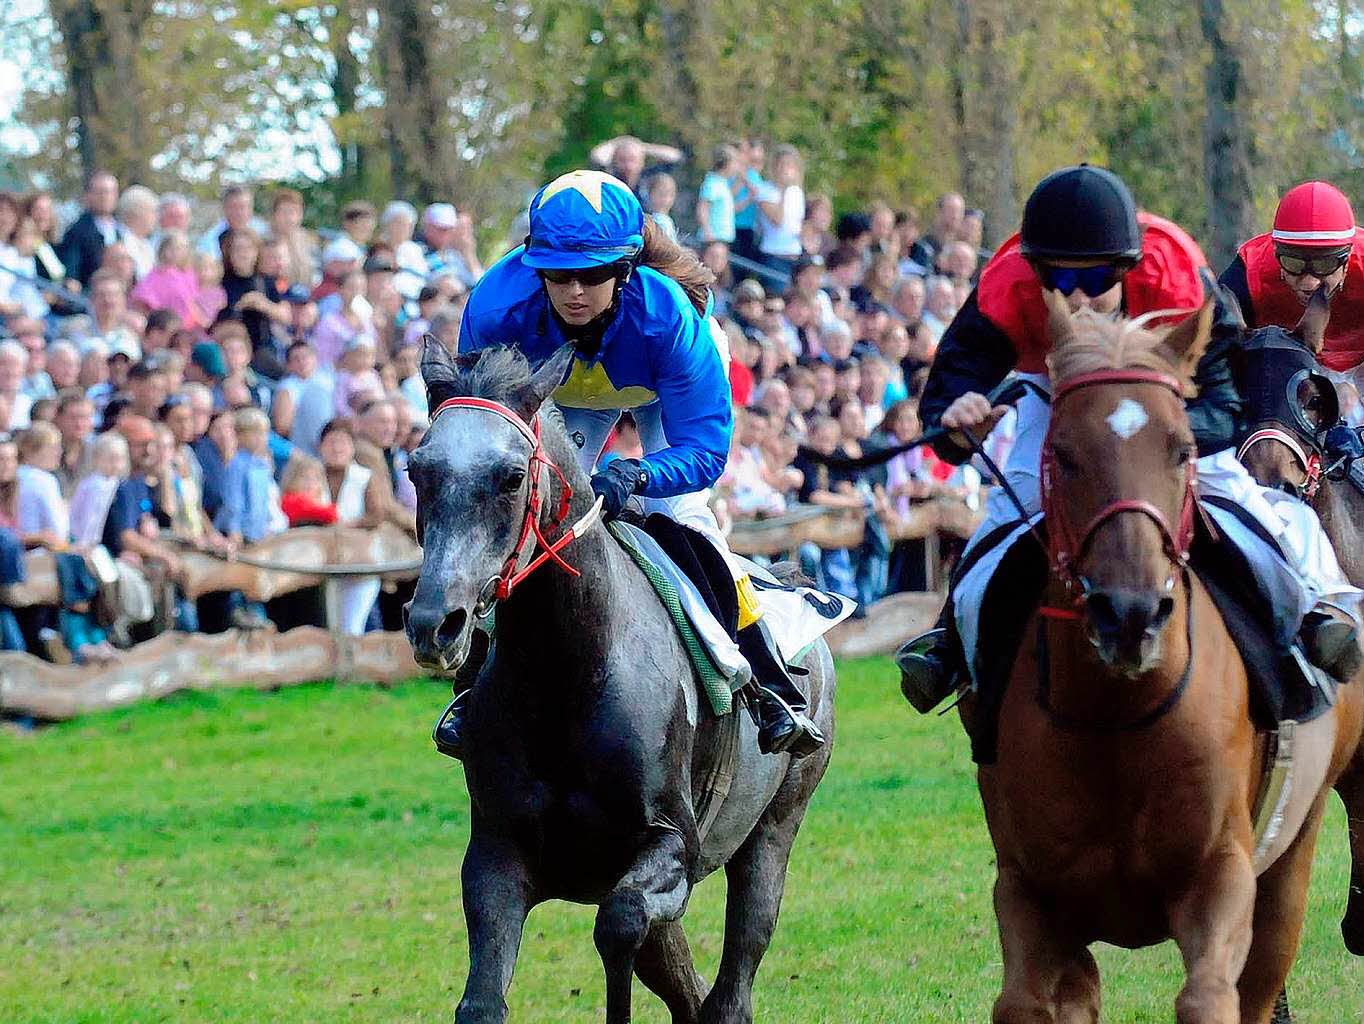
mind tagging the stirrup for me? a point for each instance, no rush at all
(450, 745)
(793, 734)
(926, 676)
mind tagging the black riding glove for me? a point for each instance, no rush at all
(614, 485)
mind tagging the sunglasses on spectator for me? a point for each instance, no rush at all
(588, 277)
(1093, 281)
(1295, 265)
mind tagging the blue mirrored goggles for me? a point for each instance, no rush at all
(1093, 281)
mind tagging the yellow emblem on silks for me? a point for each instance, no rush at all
(588, 387)
(587, 184)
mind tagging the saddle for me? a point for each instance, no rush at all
(1283, 686)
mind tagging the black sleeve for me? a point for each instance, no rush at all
(1215, 414)
(125, 512)
(974, 355)
(1233, 280)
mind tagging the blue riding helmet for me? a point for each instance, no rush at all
(583, 219)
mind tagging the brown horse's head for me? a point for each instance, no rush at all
(1118, 471)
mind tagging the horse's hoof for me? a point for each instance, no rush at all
(1282, 1015)
(1352, 930)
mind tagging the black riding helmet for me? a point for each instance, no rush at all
(1081, 213)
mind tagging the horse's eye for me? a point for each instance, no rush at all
(1183, 456)
(512, 482)
(1066, 462)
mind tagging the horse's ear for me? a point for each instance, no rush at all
(1059, 327)
(1184, 344)
(543, 382)
(441, 369)
(1311, 329)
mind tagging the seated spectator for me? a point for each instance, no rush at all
(908, 300)
(893, 348)
(745, 476)
(246, 289)
(354, 491)
(209, 297)
(75, 423)
(113, 324)
(118, 261)
(907, 236)
(881, 221)
(352, 318)
(853, 235)
(940, 306)
(214, 450)
(356, 381)
(162, 325)
(878, 282)
(411, 388)
(304, 499)
(300, 365)
(847, 381)
(800, 382)
(816, 239)
(63, 365)
(42, 514)
(254, 389)
(137, 213)
(146, 390)
(177, 415)
(375, 436)
(94, 494)
(662, 196)
(836, 343)
(340, 259)
(21, 290)
(9, 483)
(44, 411)
(13, 370)
(871, 389)
(29, 334)
(715, 258)
(747, 307)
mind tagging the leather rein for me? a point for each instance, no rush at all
(523, 560)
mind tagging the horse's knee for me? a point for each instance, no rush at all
(622, 924)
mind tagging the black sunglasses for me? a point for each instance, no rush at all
(1318, 266)
(588, 277)
(1093, 281)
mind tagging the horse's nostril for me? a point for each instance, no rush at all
(1164, 610)
(450, 628)
(1291, 489)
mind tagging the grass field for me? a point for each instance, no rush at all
(294, 856)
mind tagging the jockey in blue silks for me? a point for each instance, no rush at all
(596, 273)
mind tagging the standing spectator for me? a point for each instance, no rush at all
(246, 297)
(238, 212)
(13, 369)
(172, 214)
(662, 196)
(751, 185)
(36, 383)
(357, 382)
(300, 365)
(171, 284)
(109, 310)
(854, 233)
(451, 247)
(37, 207)
(286, 225)
(908, 300)
(816, 239)
(958, 261)
(82, 248)
(881, 221)
(350, 319)
(352, 489)
(625, 157)
(940, 305)
(871, 390)
(137, 213)
(715, 258)
(715, 200)
(340, 258)
(22, 293)
(162, 326)
(946, 220)
(396, 225)
(357, 222)
(118, 260)
(209, 298)
(782, 211)
(971, 230)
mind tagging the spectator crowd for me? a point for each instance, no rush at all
(165, 390)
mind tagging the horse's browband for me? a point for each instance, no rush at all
(1085, 380)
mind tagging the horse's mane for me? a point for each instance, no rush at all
(1097, 341)
(494, 373)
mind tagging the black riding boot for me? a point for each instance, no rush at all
(449, 731)
(779, 708)
(931, 663)
(1331, 644)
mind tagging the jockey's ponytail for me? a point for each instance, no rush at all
(661, 253)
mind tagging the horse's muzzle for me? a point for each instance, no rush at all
(440, 640)
(1125, 627)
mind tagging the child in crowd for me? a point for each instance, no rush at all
(357, 382)
(304, 498)
(662, 195)
(42, 510)
(95, 492)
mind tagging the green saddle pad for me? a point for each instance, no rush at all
(714, 685)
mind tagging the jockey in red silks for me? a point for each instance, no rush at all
(1083, 236)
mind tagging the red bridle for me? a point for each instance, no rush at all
(1309, 461)
(1067, 544)
(538, 467)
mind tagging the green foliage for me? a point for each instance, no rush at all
(892, 99)
(294, 857)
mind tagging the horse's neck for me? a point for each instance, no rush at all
(1340, 506)
(1082, 688)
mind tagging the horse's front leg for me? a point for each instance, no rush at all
(654, 889)
(1212, 923)
(498, 895)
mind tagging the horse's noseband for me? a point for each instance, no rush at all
(1068, 544)
(1309, 461)
(539, 466)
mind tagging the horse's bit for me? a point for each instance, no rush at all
(519, 563)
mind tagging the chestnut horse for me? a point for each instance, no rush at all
(1120, 804)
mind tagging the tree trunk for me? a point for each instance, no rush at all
(1226, 147)
(100, 39)
(984, 89)
(416, 117)
(345, 84)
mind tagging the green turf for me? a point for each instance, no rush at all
(294, 856)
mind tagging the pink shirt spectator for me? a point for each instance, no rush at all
(171, 288)
(331, 335)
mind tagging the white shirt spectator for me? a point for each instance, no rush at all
(41, 506)
(20, 407)
(90, 508)
(783, 238)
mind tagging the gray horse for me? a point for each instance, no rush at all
(585, 739)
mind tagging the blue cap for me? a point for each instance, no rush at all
(583, 219)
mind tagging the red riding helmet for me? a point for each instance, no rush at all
(1314, 215)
